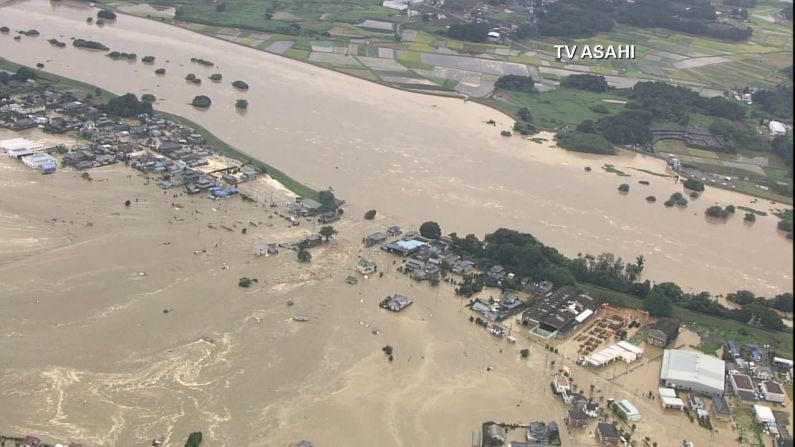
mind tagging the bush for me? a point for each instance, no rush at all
(148, 59)
(241, 104)
(216, 76)
(651, 199)
(388, 350)
(694, 184)
(585, 142)
(506, 133)
(516, 82)
(750, 217)
(4, 29)
(369, 215)
(192, 78)
(624, 187)
(160, 71)
(240, 85)
(693, 195)
(525, 353)
(245, 282)
(304, 256)
(106, 14)
(194, 439)
(148, 97)
(127, 106)
(89, 44)
(201, 101)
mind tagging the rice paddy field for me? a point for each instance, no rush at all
(361, 28)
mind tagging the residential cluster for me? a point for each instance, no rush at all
(176, 154)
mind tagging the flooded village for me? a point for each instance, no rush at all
(155, 288)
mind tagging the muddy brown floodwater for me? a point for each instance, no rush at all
(415, 157)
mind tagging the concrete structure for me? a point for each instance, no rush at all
(693, 371)
(662, 332)
(742, 386)
(782, 363)
(264, 250)
(773, 392)
(625, 407)
(721, 409)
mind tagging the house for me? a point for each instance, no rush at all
(366, 267)
(773, 392)
(576, 418)
(414, 265)
(627, 410)
(607, 433)
(669, 399)
(721, 409)
(328, 217)
(662, 332)
(560, 384)
(396, 303)
(265, 250)
(462, 267)
(375, 239)
(393, 231)
(313, 240)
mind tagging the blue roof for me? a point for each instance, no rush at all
(409, 245)
(48, 167)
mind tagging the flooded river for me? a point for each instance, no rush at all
(415, 157)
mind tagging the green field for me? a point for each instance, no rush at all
(558, 108)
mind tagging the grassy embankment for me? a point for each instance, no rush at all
(82, 90)
(713, 331)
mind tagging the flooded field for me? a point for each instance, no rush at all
(415, 157)
(130, 324)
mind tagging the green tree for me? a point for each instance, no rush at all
(525, 115)
(304, 256)
(369, 215)
(431, 230)
(327, 200)
(658, 304)
(327, 232)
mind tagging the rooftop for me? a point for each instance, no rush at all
(694, 367)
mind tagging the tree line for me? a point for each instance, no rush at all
(527, 257)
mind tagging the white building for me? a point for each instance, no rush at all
(693, 371)
(764, 415)
(366, 267)
(561, 384)
(622, 350)
(777, 128)
(631, 414)
(36, 161)
(669, 400)
(773, 392)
